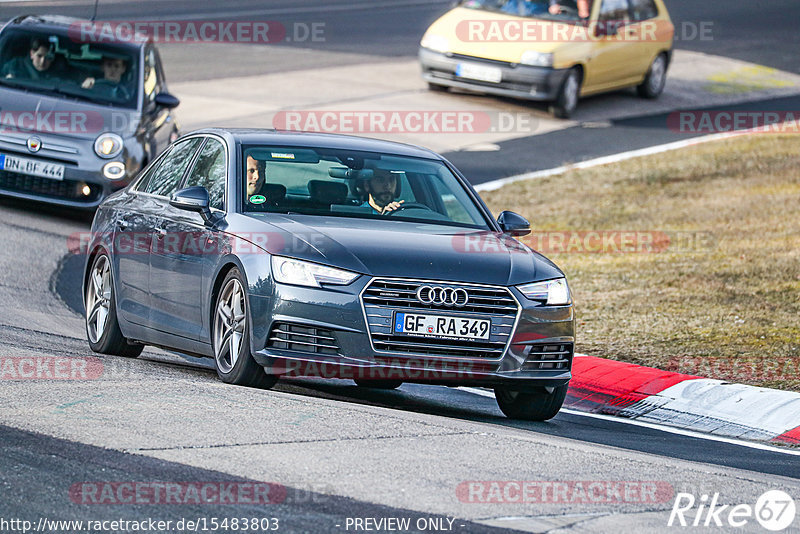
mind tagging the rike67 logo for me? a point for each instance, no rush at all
(775, 511)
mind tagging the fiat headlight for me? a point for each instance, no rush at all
(108, 145)
(551, 292)
(303, 273)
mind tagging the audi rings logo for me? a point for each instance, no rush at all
(442, 296)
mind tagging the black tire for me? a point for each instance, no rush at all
(378, 384)
(536, 405)
(656, 79)
(99, 298)
(239, 369)
(436, 88)
(568, 94)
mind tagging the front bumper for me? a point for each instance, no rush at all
(339, 343)
(81, 171)
(518, 81)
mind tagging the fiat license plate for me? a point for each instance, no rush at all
(31, 167)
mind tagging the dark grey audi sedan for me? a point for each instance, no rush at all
(297, 254)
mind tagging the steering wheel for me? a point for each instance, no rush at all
(115, 89)
(409, 205)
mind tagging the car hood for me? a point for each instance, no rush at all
(455, 27)
(404, 249)
(28, 112)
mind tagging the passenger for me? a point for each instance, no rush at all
(114, 67)
(382, 190)
(255, 179)
(39, 64)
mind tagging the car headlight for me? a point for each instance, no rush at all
(303, 273)
(108, 145)
(551, 292)
(537, 59)
(434, 42)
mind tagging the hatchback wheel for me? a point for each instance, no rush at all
(538, 405)
(567, 99)
(102, 327)
(232, 356)
(653, 84)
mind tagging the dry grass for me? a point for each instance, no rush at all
(723, 299)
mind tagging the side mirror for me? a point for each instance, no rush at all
(513, 224)
(166, 100)
(193, 198)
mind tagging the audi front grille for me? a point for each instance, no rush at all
(384, 296)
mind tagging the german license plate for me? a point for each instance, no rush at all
(31, 167)
(441, 326)
(479, 72)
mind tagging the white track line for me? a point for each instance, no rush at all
(662, 428)
(605, 160)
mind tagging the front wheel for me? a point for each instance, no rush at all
(567, 100)
(653, 84)
(232, 356)
(102, 327)
(538, 405)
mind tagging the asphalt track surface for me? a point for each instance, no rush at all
(35, 468)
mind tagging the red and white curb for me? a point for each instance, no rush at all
(684, 401)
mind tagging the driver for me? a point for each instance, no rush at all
(382, 189)
(114, 67)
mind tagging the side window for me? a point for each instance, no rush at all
(167, 177)
(643, 9)
(614, 10)
(142, 184)
(152, 75)
(210, 172)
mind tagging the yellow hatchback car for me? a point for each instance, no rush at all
(550, 50)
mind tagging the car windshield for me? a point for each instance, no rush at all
(361, 185)
(60, 64)
(540, 9)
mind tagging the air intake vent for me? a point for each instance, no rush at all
(551, 356)
(299, 338)
(383, 297)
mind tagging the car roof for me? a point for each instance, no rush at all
(319, 140)
(64, 25)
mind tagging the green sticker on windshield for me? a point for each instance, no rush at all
(258, 199)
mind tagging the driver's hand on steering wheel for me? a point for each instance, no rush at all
(391, 206)
(555, 9)
(88, 83)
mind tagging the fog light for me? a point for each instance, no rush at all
(114, 170)
(86, 190)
